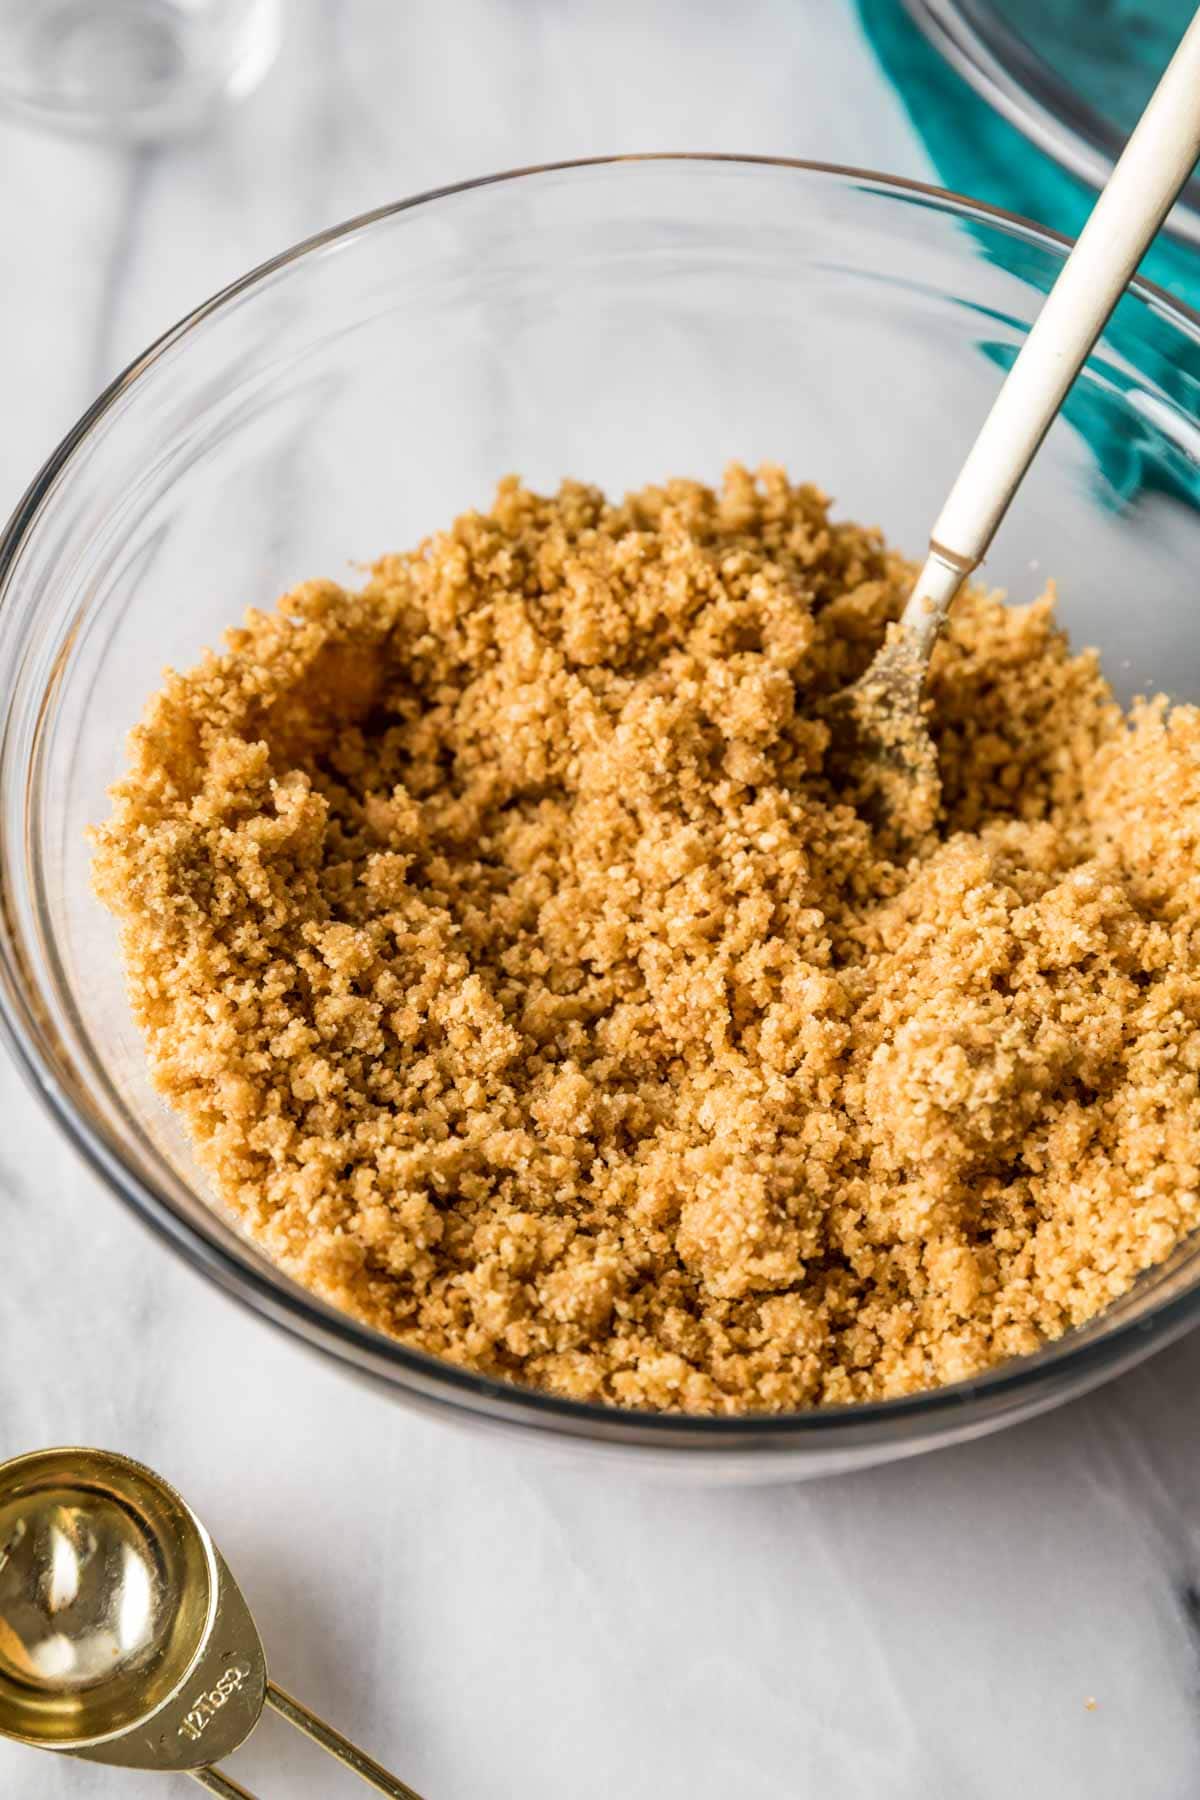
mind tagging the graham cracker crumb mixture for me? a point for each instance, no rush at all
(532, 991)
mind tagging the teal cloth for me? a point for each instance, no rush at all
(1112, 51)
(978, 153)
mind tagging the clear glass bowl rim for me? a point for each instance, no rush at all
(1011, 1388)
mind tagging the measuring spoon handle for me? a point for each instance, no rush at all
(216, 1783)
(348, 1754)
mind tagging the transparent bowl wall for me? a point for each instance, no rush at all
(617, 322)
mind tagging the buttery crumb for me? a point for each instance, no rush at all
(532, 988)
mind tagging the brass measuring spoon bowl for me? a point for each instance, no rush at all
(124, 1639)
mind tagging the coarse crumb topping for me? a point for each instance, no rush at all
(532, 990)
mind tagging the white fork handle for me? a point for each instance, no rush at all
(1154, 165)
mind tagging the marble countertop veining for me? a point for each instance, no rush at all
(1018, 1616)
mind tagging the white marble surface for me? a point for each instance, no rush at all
(489, 1626)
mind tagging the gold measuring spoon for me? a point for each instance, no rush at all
(123, 1637)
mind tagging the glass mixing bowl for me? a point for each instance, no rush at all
(617, 321)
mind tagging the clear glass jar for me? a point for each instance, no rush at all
(616, 321)
(134, 69)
